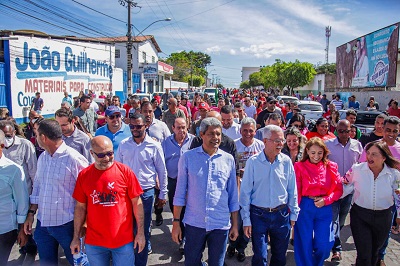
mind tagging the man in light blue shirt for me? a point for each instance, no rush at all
(174, 146)
(207, 186)
(268, 191)
(14, 204)
(344, 151)
(114, 129)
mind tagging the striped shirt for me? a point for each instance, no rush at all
(54, 184)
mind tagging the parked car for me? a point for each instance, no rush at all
(143, 94)
(287, 98)
(211, 92)
(191, 95)
(310, 109)
(365, 119)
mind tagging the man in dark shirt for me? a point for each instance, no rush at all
(377, 133)
(37, 104)
(271, 108)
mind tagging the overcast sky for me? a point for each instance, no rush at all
(235, 33)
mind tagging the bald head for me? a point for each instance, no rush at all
(343, 123)
(100, 143)
(214, 114)
(179, 121)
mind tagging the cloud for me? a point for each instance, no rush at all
(213, 50)
(342, 9)
(232, 51)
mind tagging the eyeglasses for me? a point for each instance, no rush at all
(297, 126)
(101, 155)
(278, 141)
(114, 116)
(136, 126)
(341, 131)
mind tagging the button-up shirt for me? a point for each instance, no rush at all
(371, 193)
(23, 153)
(88, 118)
(14, 198)
(54, 184)
(172, 152)
(146, 160)
(116, 138)
(233, 132)
(80, 142)
(158, 130)
(207, 186)
(268, 185)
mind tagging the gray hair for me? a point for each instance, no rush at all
(268, 130)
(247, 121)
(209, 122)
(2, 137)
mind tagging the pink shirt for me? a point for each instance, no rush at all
(395, 150)
(316, 180)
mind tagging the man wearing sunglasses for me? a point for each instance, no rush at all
(344, 151)
(109, 192)
(114, 129)
(145, 157)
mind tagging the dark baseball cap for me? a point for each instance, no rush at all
(271, 99)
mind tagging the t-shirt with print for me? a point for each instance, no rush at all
(108, 195)
(244, 152)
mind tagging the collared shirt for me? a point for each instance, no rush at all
(172, 152)
(344, 156)
(54, 184)
(268, 185)
(14, 198)
(250, 110)
(68, 100)
(169, 118)
(23, 153)
(158, 130)
(80, 142)
(233, 132)
(123, 133)
(371, 193)
(207, 186)
(146, 160)
(88, 118)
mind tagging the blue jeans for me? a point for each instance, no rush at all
(196, 239)
(382, 251)
(340, 209)
(241, 242)
(101, 256)
(147, 199)
(171, 193)
(313, 234)
(277, 226)
(48, 238)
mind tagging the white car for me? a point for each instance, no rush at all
(310, 109)
(287, 98)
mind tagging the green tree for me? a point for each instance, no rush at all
(256, 79)
(197, 80)
(245, 84)
(326, 69)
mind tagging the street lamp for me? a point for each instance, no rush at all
(166, 19)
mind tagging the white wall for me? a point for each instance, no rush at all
(246, 71)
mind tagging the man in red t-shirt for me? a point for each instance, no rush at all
(108, 199)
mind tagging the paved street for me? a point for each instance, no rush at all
(165, 252)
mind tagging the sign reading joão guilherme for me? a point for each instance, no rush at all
(53, 66)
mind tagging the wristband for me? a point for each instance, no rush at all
(32, 211)
(176, 220)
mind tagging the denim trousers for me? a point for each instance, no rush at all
(48, 238)
(340, 209)
(101, 256)
(147, 199)
(196, 239)
(171, 194)
(7, 241)
(241, 241)
(382, 251)
(277, 226)
(313, 234)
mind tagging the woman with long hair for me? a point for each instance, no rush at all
(319, 185)
(321, 130)
(334, 119)
(294, 145)
(375, 184)
(299, 122)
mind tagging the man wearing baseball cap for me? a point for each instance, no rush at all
(114, 129)
(203, 109)
(271, 108)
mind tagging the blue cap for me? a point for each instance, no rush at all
(112, 109)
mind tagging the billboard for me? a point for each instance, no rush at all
(53, 66)
(369, 61)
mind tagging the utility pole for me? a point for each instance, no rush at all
(191, 70)
(327, 35)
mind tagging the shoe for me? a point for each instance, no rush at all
(230, 251)
(336, 256)
(150, 251)
(241, 256)
(182, 247)
(381, 263)
(159, 219)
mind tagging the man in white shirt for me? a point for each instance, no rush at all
(229, 127)
(249, 108)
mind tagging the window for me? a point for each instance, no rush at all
(144, 57)
(117, 53)
(153, 59)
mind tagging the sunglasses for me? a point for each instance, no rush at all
(136, 126)
(341, 131)
(114, 116)
(101, 155)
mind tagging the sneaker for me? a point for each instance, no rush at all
(241, 256)
(381, 263)
(150, 251)
(336, 256)
(231, 251)
(159, 219)
(182, 247)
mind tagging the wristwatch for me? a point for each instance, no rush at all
(176, 220)
(32, 211)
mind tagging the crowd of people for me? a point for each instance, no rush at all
(248, 168)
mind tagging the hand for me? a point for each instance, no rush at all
(75, 245)
(28, 224)
(161, 203)
(233, 233)
(397, 191)
(22, 238)
(140, 242)
(319, 202)
(176, 232)
(247, 231)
